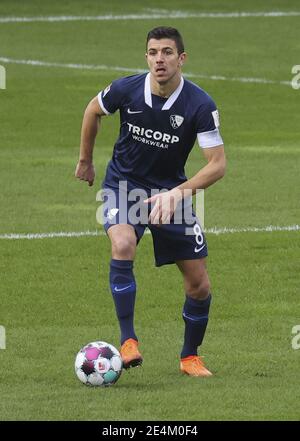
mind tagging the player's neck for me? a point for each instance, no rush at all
(166, 89)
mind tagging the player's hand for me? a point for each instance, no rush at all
(85, 171)
(164, 206)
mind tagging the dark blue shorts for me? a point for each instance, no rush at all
(181, 239)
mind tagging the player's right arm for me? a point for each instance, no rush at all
(90, 125)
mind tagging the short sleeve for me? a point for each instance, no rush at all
(111, 97)
(207, 125)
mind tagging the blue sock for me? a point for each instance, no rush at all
(195, 316)
(123, 289)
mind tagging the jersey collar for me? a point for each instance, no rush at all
(170, 101)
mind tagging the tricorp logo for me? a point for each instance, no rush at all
(152, 137)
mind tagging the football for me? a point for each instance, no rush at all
(98, 364)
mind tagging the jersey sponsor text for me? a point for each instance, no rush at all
(151, 137)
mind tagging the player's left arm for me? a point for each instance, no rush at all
(165, 203)
(210, 173)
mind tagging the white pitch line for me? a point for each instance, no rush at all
(137, 70)
(31, 236)
(267, 229)
(71, 65)
(215, 230)
(158, 15)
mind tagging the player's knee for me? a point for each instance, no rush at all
(123, 248)
(199, 290)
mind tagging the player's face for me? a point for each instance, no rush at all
(163, 59)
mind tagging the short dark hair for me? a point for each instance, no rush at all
(166, 32)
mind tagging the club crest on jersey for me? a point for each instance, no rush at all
(176, 121)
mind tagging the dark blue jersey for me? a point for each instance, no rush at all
(157, 134)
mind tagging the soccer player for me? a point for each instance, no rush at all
(161, 116)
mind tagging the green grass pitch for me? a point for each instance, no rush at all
(54, 292)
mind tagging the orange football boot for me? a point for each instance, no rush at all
(130, 354)
(194, 366)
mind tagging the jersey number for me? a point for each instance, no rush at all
(199, 238)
